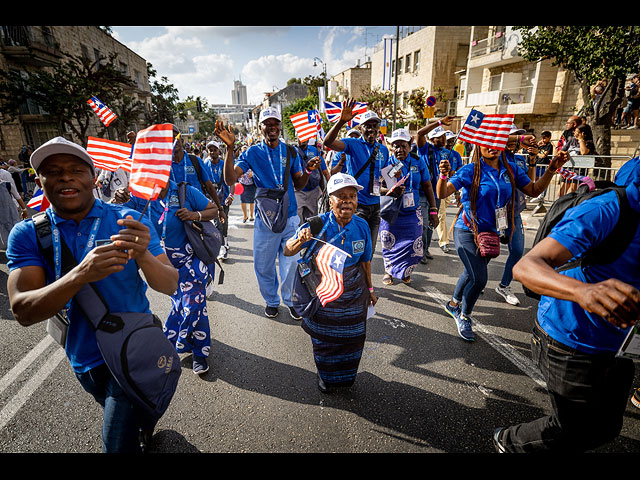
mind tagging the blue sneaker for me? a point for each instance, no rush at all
(464, 328)
(200, 365)
(453, 311)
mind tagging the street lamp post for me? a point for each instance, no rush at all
(324, 68)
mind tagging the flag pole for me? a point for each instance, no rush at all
(322, 241)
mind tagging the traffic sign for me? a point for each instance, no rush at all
(431, 101)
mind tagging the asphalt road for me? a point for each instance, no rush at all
(420, 387)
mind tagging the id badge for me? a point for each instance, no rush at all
(376, 187)
(501, 218)
(630, 348)
(408, 200)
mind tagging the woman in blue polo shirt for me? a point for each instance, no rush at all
(187, 325)
(488, 184)
(401, 240)
(338, 328)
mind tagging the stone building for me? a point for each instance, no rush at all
(31, 48)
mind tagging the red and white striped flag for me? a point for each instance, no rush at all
(330, 261)
(151, 165)
(491, 131)
(109, 155)
(306, 124)
(105, 114)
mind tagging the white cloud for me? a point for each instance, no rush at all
(271, 73)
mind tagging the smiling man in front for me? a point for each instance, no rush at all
(37, 290)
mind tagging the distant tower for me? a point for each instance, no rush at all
(239, 93)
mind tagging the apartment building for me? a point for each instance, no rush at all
(31, 48)
(428, 57)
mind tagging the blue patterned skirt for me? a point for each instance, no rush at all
(338, 330)
(402, 243)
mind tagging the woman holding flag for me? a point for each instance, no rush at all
(339, 243)
(401, 238)
(489, 183)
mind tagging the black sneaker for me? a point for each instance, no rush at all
(497, 440)
(293, 314)
(427, 255)
(635, 399)
(271, 311)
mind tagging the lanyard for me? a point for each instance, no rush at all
(163, 218)
(184, 169)
(340, 233)
(279, 180)
(57, 244)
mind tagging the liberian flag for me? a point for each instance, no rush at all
(105, 114)
(306, 124)
(38, 202)
(330, 261)
(491, 131)
(109, 155)
(151, 163)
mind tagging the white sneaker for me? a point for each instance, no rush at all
(222, 254)
(508, 295)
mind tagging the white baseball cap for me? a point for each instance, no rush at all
(369, 115)
(270, 112)
(59, 145)
(342, 180)
(214, 143)
(437, 132)
(515, 130)
(449, 134)
(401, 134)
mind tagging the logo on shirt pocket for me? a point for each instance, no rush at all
(174, 201)
(357, 246)
(191, 170)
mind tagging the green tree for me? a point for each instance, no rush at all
(62, 91)
(591, 54)
(164, 100)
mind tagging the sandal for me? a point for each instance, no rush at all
(387, 280)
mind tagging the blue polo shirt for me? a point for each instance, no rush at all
(629, 172)
(186, 172)
(581, 228)
(419, 175)
(216, 174)
(355, 238)
(171, 228)
(123, 291)
(495, 191)
(268, 165)
(433, 164)
(358, 152)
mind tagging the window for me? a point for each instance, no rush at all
(400, 66)
(416, 60)
(407, 66)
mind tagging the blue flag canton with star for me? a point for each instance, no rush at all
(475, 118)
(337, 261)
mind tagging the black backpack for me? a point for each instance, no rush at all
(611, 247)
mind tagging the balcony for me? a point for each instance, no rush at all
(26, 45)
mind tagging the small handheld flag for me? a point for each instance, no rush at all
(306, 124)
(490, 131)
(105, 114)
(330, 261)
(38, 202)
(151, 162)
(109, 155)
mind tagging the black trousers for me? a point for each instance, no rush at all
(588, 393)
(371, 213)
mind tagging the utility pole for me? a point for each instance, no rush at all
(395, 86)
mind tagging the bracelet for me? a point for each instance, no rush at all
(521, 138)
(308, 172)
(199, 216)
(443, 177)
(371, 289)
(433, 213)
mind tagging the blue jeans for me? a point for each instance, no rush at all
(121, 420)
(516, 249)
(427, 230)
(268, 247)
(474, 278)
(588, 393)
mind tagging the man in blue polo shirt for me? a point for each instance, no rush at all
(215, 169)
(584, 316)
(267, 161)
(37, 291)
(364, 152)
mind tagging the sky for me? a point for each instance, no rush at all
(205, 61)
